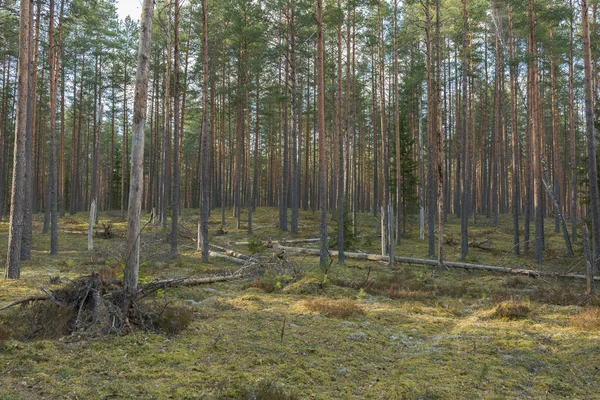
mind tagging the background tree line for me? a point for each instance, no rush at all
(432, 108)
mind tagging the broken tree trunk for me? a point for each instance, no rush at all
(232, 253)
(449, 264)
(236, 260)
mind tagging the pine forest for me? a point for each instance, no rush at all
(289, 199)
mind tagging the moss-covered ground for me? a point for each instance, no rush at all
(368, 333)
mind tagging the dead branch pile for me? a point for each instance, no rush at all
(97, 304)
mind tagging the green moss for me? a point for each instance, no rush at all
(418, 336)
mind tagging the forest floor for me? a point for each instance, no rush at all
(368, 333)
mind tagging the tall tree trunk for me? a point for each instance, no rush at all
(340, 145)
(28, 178)
(132, 256)
(204, 200)
(125, 142)
(283, 195)
(321, 117)
(396, 101)
(96, 156)
(386, 240)
(61, 173)
(431, 123)
(536, 134)
(296, 114)
(13, 261)
(514, 134)
(439, 142)
(52, 167)
(464, 210)
(176, 116)
(572, 133)
(591, 137)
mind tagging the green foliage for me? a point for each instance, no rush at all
(255, 246)
(174, 319)
(272, 281)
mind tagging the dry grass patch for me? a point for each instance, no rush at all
(587, 320)
(511, 310)
(333, 308)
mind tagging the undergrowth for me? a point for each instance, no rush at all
(343, 308)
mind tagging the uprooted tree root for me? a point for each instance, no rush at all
(96, 305)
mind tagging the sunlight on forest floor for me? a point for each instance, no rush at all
(368, 333)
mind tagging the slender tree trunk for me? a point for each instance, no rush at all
(132, 256)
(464, 210)
(296, 114)
(386, 240)
(536, 135)
(572, 133)
(204, 200)
(28, 202)
(3, 131)
(591, 137)
(321, 117)
(431, 123)
(439, 144)
(176, 120)
(52, 167)
(96, 158)
(340, 135)
(397, 130)
(125, 142)
(13, 261)
(514, 134)
(61, 173)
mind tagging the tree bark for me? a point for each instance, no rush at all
(514, 134)
(176, 120)
(204, 200)
(52, 167)
(13, 261)
(132, 256)
(591, 137)
(464, 211)
(324, 255)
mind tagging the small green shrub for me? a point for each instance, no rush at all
(255, 246)
(174, 320)
(271, 281)
(349, 239)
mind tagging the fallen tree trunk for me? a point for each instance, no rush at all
(236, 260)
(450, 264)
(232, 253)
(280, 242)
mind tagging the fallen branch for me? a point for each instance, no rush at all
(38, 297)
(479, 245)
(449, 264)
